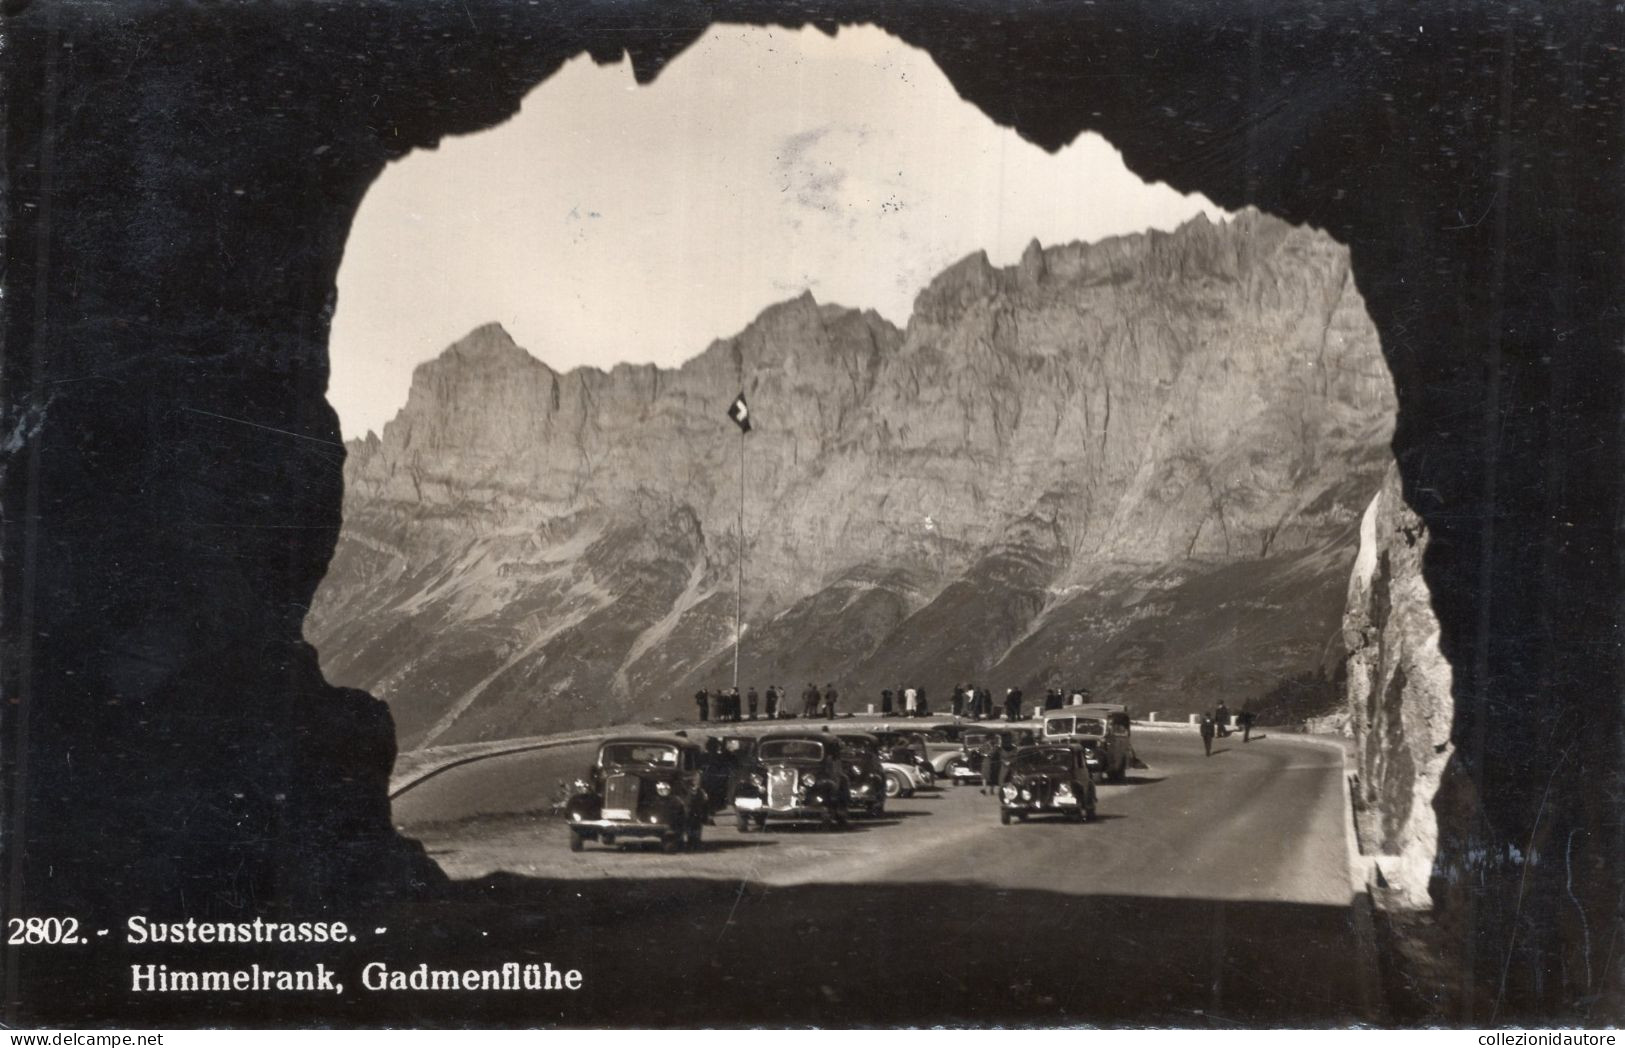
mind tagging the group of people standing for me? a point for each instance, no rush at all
(815, 703)
(1055, 698)
(908, 702)
(978, 704)
(1218, 723)
(969, 701)
(726, 704)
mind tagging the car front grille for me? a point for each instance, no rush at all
(781, 788)
(621, 796)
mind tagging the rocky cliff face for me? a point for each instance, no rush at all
(1138, 464)
(1400, 705)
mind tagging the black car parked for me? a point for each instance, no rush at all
(1047, 780)
(640, 786)
(796, 776)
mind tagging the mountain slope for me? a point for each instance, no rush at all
(1138, 463)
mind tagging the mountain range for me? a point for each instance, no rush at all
(1137, 465)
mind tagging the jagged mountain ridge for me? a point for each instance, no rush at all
(1138, 463)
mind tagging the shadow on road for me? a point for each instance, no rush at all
(697, 952)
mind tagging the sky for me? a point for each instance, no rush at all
(608, 222)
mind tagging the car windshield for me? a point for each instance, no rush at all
(639, 753)
(1042, 759)
(852, 742)
(791, 749)
(1074, 726)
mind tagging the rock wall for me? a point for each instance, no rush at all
(1400, 699)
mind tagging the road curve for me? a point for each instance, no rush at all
(1212, 890)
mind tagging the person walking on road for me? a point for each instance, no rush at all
(1245, 719)
(830, 695)
(702, 699)
(1207, 734)
(1221, 719)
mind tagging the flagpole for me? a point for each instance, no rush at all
(739, 585)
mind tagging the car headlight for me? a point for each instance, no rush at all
(1009, 793)
(663, 788)
(1026, 795)
(808, 778)
(1063, 790)
(581, 786)
(758, 780)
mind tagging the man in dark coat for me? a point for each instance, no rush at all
(1245, 719)
(702, 699)
(1221, 719)
(992, 765)
(772, 702)
(830, 695)
(959, 700)
(885, 702)
(751, 698)
(809, 700)
(1012, 704)
(1207, 734)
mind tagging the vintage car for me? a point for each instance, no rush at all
(1047, 780)
(943, 746)
(865, 772)
(963, 767)
(909, 748)
(794, 776)
(1102, 729)
(640, 786)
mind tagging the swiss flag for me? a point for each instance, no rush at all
(740, 413)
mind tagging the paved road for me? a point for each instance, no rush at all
(1212, 890)
(1257, 822)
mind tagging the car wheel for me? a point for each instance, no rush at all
(577, 841)
(607, 840)
(895, 786)
(1004, 817)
